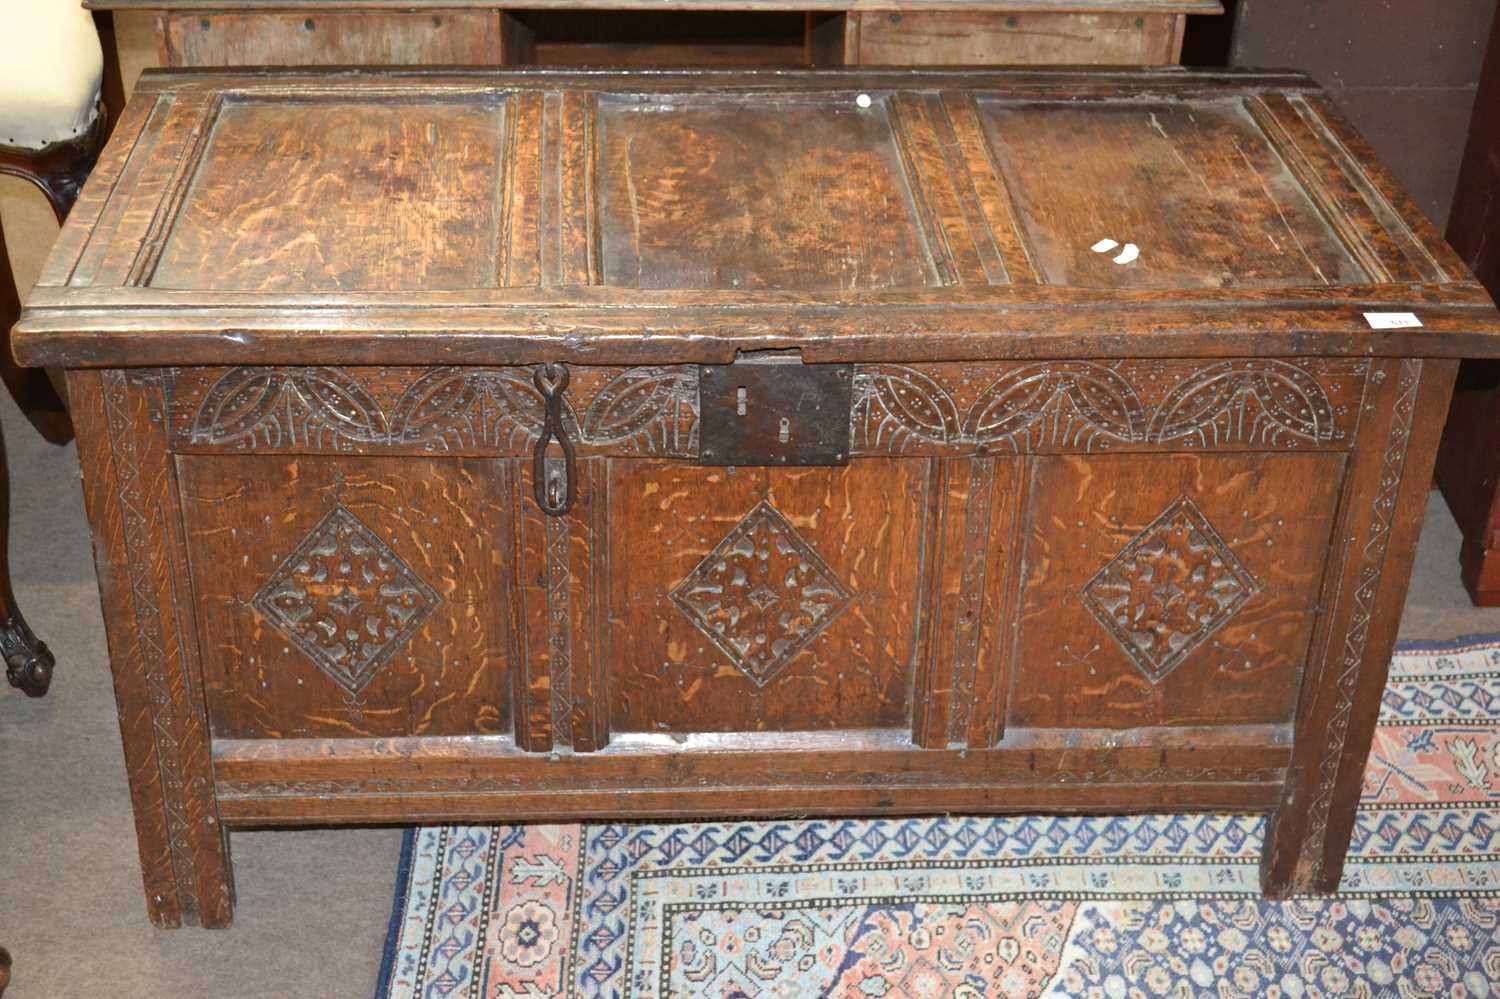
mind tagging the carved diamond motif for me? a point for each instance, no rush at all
(1172, 587)
(346, 600)
(762, 595)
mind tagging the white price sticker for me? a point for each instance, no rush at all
(1392, 320)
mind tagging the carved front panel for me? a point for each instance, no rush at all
(1170, 589)
(764, 599)
(351, 597)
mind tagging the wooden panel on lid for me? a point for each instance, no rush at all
(1236, 215)
(757, 192)
(361, 195)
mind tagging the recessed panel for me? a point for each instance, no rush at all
(357, 597)
(1198, 192)
(763, 599)
(1170, 589)
(758, 192)
(342, 196)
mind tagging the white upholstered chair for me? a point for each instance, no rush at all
(52, 126)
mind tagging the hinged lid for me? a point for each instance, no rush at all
(507, 217)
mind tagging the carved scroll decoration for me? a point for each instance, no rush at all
(1088, 406)
(648, 410)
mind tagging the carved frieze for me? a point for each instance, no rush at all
(647, 410)
(1007, 407)
(1088, 406)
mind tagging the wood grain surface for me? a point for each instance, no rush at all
(1236, 215)
(544, 215)
(388, 619)
(771, 594)
(1044, 37)
(323, 37)
(776, 194)
(432, 171)
(1206, 621)
(1156, 6)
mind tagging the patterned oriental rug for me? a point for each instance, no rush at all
(964, 907)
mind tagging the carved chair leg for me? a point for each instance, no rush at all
(29, 387)
(28, 662)
(58, 171)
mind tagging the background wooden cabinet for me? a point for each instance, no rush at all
(684, 32)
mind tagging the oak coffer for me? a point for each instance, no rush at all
(530, 445)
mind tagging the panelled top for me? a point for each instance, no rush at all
(505, 217)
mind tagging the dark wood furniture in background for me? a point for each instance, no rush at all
(1405, 73)
(1468, 468)
(608, 473)
(677, 32)
(58, 171)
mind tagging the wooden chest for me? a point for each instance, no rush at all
(480, 445)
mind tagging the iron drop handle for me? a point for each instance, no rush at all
(555, 492)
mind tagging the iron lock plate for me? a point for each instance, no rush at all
(774, 411)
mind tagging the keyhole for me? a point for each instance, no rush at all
(739, 400)
(786, 430)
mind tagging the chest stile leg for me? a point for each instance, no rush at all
(130, 490)
(1381, 515)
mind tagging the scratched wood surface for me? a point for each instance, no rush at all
(432, 170)
(547, 212)
(375, 605)
(1105, 534)
(778, 193)
(1237, 215)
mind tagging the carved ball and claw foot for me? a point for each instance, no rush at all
(28, 661)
